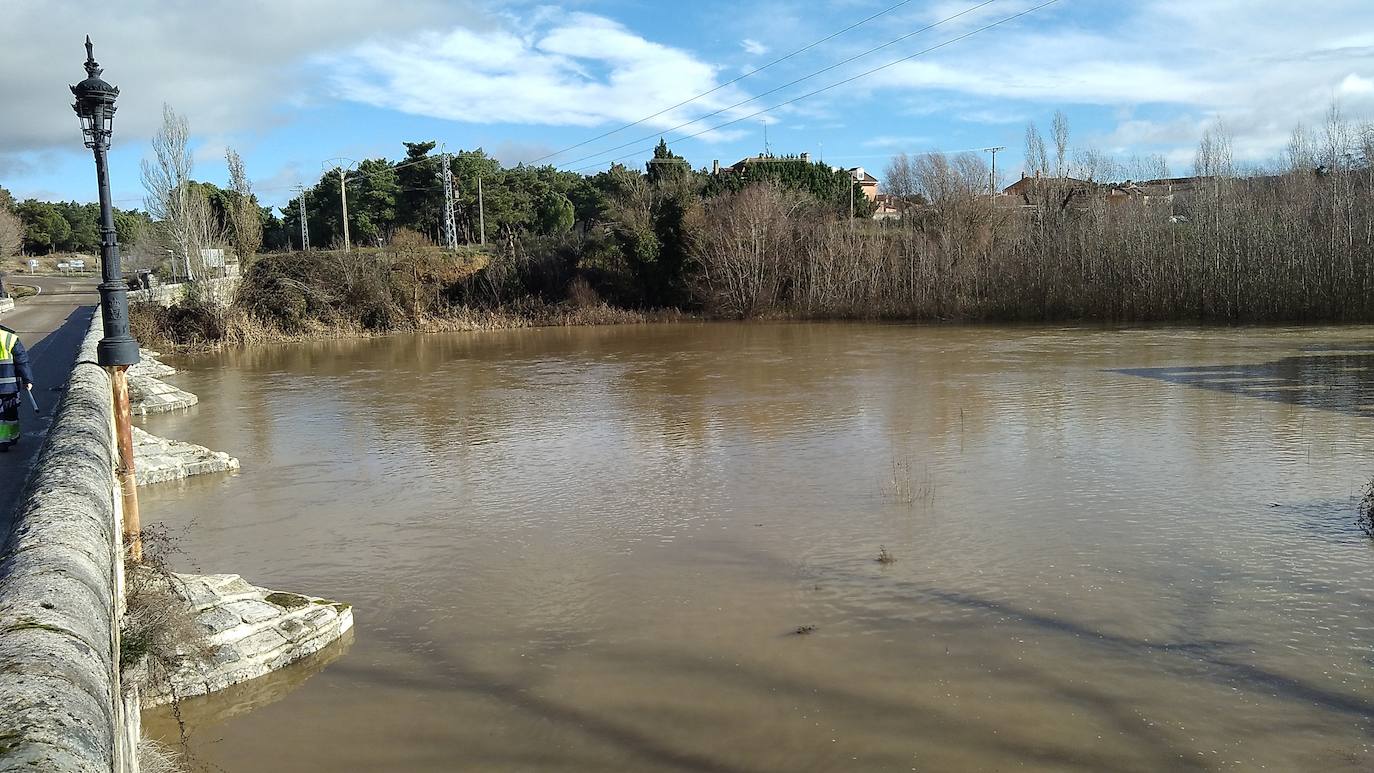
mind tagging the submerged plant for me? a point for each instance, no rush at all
(897, 488)
(900, 486)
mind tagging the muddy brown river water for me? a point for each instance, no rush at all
(593, 549)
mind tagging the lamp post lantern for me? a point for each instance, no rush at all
(117, 350)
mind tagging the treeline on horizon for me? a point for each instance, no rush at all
(1289, 242)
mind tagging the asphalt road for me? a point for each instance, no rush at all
(51, 325)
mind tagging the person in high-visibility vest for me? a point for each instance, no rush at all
(15, 377)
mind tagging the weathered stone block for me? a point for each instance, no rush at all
(253, 612)
(278, 629)
(217, 620)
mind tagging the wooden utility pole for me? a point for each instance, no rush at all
(992, 197)
(343, 198)
(992, 187)
(481, 211)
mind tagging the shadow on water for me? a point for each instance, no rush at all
(1332, 520)
(1189, 654)
(1332, 380)
(631, 734)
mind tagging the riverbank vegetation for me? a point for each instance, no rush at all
(409, 285)
(1291, 242)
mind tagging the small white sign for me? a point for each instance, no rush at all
(33, 266)
(63, 266)
(78, 264)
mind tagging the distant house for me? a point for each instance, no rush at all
(1027, 185)
(1118, 194)
(889, 207)
(867, 182)
(1167, 186)
(744, 163)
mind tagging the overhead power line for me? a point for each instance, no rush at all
(839, 83)
(749, 74)
(791, 83)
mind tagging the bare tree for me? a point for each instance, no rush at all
(1037, 162)
(1157, 167)
(1061, 144)
(1365, 145)
(946, 181)
(1301, 153)
(245, 221)
(1214, 156)
(184, 219)
(1337, 142)
(900, 181)
(741, 255)
(1093, 165)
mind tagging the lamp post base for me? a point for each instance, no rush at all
(117, 347)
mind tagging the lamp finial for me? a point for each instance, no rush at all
(92, 68)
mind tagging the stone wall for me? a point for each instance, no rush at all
(62, 709)
(221, 290)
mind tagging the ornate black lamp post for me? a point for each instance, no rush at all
(95, 104)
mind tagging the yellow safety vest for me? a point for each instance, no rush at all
(7, 342)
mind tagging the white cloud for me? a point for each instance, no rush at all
(753, 47)
(512, 153)
(1354, 84)
(1263, 65)
(227, 65)
(574, 70)
(897, 142)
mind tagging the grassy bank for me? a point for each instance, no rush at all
(184, 330)
(410, 286)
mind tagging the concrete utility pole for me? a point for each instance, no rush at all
(343, 199)
(481, 211)
(305, 227)
(992, 188)
(450, 224)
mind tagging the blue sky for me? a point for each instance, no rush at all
(292, 83)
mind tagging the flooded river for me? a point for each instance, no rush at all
(655, 548)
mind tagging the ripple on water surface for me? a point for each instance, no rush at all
(656, 547)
